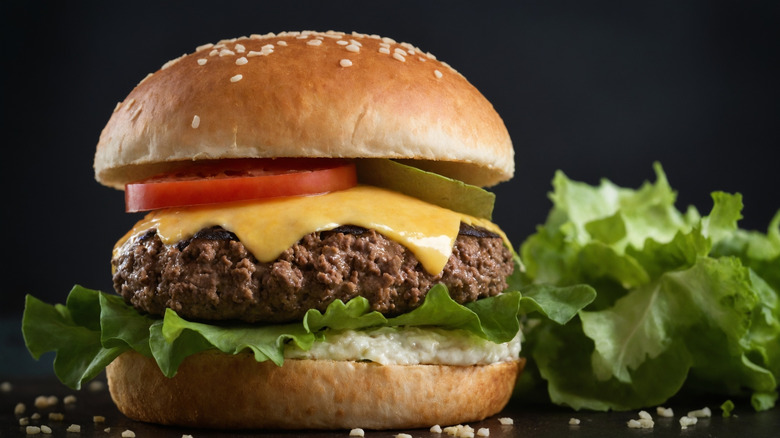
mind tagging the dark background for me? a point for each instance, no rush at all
(597, 89)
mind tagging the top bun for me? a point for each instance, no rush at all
(305, 94)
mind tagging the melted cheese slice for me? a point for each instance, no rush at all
(268, 227)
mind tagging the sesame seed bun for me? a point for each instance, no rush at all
(215, 390)
(305, 95)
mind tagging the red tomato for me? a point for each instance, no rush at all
(239, 180)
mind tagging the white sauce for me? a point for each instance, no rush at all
(409, 346)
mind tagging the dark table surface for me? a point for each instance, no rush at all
(529, 420)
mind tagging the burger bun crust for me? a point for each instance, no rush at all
(216, 390)
(330, 95)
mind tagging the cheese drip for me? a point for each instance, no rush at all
(268, 227)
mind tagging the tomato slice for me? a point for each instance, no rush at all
(239, 180)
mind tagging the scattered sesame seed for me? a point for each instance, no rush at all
(56, 416)
(214, 52)
(483, 431)
(128, 434)
(96, 385)
(98, 419)
(35, 416)
(195, 122)
(438, 74)
(353, 48)
(422, 59)
(342, 42)
(186, 436)
(43, 401)
(74, 428)
(402, 435)
(6, 387)
(45, 429)
(202, 61)
(388, 40)
(574, 421)
(226, 52)
(69, 399)
(282, 43)
(399, 57)
(314, 42)
(686, 421)
(345, 63)
(384, 50)
(241, 61)
(24, 421)
(240, 48)
(633, 424)
(357, 432)
(107, 430)
(645, 415)
(19, 409)
(32, 430)
(435, 428)
(664, 412)
(506, 421)
(236, 78)
(701, 413)
(357, 43)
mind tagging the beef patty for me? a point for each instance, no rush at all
(212, 276)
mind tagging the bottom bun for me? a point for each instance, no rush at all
(216, 390)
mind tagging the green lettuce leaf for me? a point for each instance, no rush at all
(683, 300)
(94, 327)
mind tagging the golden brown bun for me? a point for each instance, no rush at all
(216, 390)
(299, 101)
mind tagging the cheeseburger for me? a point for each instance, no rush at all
(316, 250)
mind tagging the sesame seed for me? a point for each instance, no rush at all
(45, 429)
(345, 63)
(435, 428)
(241, 61)
(342, 42)
(240, 48)
(56, 416)
(202, 61)
(282, 43)
(128, 434)
(483, 431)
(99, 418)
(253, 53)
(353, 48)
(69, 399)
(24, 421)
(384, 50)
(73, 428)
(399, 57)
(226, 52)
(357, 43)
(214, 52)
(357, 432)
(399, 51)
(236, 78)
(574, 421)
(506, 421)
(204, 47)
(35, 416)
(314, 42)
(32, 430)
(388, 40)
(422, 59)
(438, 74)
(195, 122)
